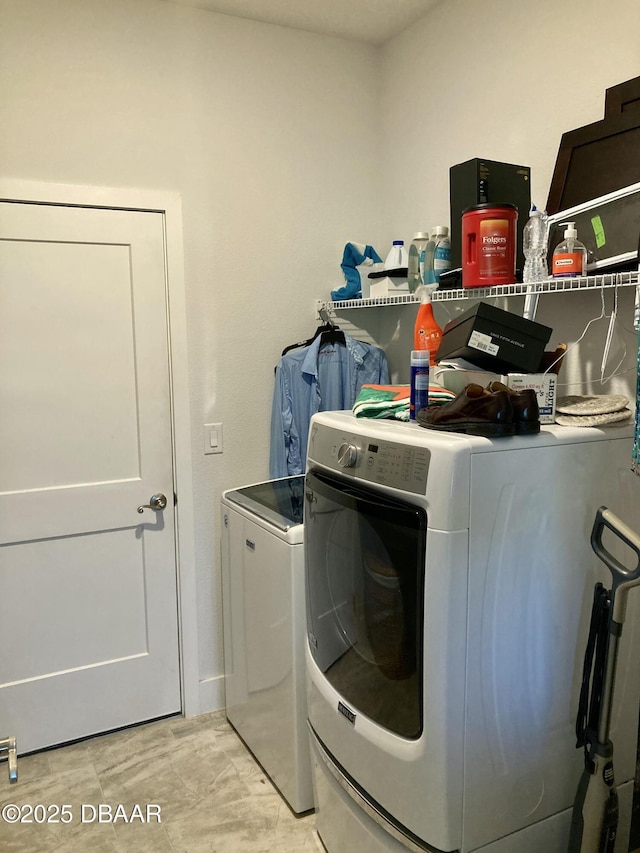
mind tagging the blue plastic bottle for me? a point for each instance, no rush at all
(419, 392)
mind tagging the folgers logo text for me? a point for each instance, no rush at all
(489, 245)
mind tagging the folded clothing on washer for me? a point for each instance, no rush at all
(392, 401)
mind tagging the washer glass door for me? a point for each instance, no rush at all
(365, 563)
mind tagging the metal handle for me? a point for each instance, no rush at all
(8, 745)
(623, 578)
(156, 503)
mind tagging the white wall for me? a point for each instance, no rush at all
(503, 80)
(269, 136)
(285, 145)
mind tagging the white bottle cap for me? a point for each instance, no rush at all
(421, 235)
(440, 230)
(571, 231)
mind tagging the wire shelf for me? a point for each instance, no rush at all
(550, 285)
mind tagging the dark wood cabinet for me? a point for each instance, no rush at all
(601, 157)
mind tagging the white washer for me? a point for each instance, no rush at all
(449, 585)
(264, 630)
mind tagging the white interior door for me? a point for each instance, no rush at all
(88, 623)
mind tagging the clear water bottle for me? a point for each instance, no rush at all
(416, 259)
(442, 251)
(428, 272)
(534, 245)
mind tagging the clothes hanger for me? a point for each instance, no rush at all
(328, 332)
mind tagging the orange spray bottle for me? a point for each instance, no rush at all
(427, 333)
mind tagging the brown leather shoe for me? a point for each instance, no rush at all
(526, 414)
(475, 411)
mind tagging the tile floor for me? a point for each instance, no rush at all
(212, 795)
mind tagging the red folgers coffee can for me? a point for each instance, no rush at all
(489, 245)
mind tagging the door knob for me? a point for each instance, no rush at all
(156, 503)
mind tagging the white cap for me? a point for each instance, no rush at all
(571, 230)
(421, 235)
(440, 230)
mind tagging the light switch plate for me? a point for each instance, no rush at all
(212, 438)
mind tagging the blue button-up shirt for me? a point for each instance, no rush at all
(317, 378)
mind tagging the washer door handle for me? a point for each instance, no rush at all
(156, 503)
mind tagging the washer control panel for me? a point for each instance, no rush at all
(388, 463)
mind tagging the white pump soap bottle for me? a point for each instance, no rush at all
(570, 256)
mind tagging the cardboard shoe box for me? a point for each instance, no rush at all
(494, 340)
(544, 384)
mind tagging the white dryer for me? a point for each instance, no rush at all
(449, 586)
(264, 630)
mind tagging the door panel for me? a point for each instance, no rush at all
(106, 574)
(54, 326)
(85, 438)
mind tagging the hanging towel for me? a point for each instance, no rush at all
(353, 256)
(392, 401)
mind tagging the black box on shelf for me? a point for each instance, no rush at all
(494, 340)
(479, 181)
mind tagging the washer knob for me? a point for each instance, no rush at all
(347, 455)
